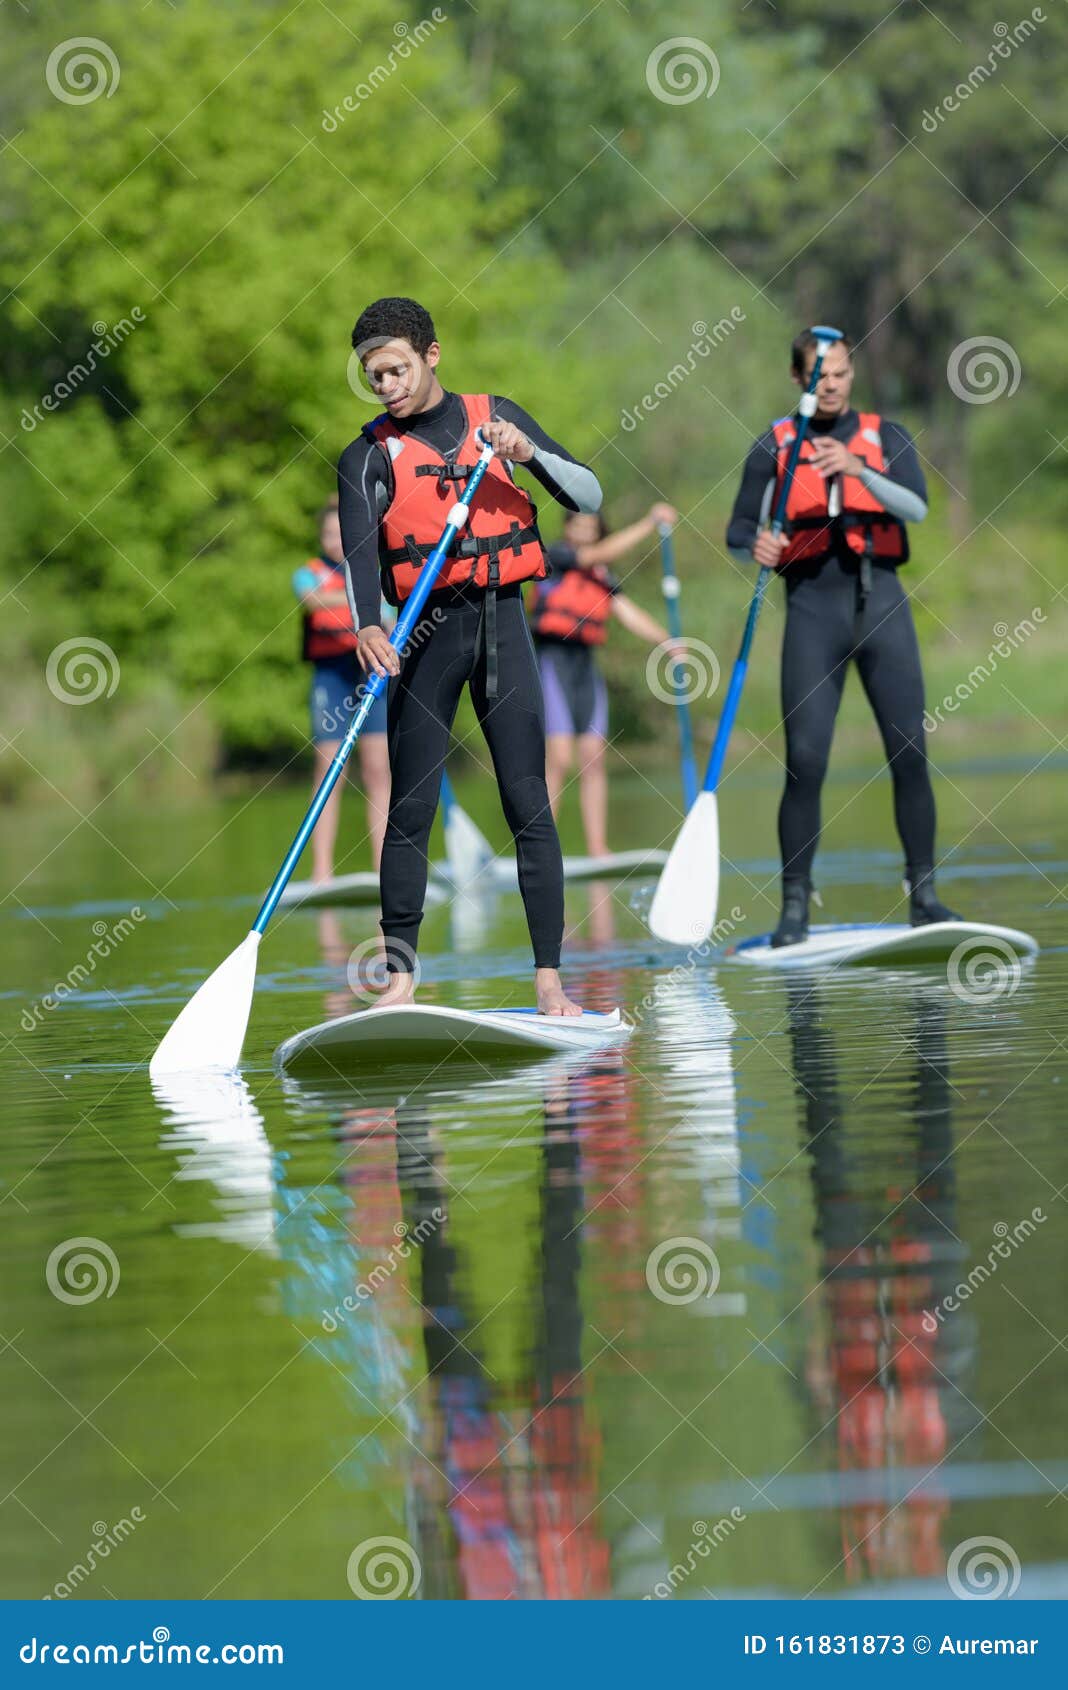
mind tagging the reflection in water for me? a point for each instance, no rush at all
(212, 1122)
(886, 1224)
(500, 1486)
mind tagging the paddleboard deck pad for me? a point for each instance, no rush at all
(373, 1038)
(343, 889)
(888, 945)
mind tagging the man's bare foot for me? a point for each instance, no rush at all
(552, 999)
(401, 989)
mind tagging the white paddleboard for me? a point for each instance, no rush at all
(342, 889)
(406, 1032)
(887, 943)
(502, 875)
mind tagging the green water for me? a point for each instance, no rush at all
(421, 1307)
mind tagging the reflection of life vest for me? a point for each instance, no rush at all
(817, 509)
(328, 633)
(500, 543)
(575, 606)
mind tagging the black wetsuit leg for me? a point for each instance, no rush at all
(823, 633)
(422, 705)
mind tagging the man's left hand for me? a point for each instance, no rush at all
(508, 442)
(831, 457)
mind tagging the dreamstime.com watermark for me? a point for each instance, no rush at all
(704, 1539)
(1006, 642)
(407, 1238)
(688, 675)
(80, 1270)
(337, 720)
(1008, 1241)
(384, 1569)
(409, 37)
(704, 342)
(107, 339)
(80, 69)
(682, 69)
(81, 670)
(680, 1270)
(983, 1569)
(982, 968)
(983, 369)
(1003, 48)
(108, 939)
(105, 1539)
(157, 1651)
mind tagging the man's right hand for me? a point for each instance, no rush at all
(768, 548)
(374, 653)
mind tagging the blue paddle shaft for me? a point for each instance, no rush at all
(806, 410)
(376, 684)
(674, 621)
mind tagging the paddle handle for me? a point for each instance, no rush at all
(670, 587)
(376, 684)
(806, 411)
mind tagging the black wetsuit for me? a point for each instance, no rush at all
(830, 623)
(424, 697)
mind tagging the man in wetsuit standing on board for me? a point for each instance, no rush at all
(396, 483)
(858, 482)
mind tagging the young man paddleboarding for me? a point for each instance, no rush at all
(858, 483)
(570, 614)
(397, 482)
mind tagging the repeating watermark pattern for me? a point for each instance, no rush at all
(705, 340)
(107, 338)
(704, 1538)
(681, 70)
(982, 1569)
(1007, 641)
(407, 1239)
(81, 670)
(82, 1269)
(409, 37)
(108, 939)
(105, 1539)
(1003, 48)
(79, 70)
(367, 971)
(1008, 1241)
(983, 369)
(383, 1569)
(337, 720)
(691, 674)
(983, 968)
(680, 1270)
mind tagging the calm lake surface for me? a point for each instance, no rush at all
(682, 1321)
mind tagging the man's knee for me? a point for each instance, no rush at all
(410, 818)
(526, 804)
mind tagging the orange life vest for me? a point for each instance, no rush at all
(574, 607)
(328, 633)
(810, 521)
(500, 543)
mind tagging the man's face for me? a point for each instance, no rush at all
(401, 377)
(330, 538)
(835, 383)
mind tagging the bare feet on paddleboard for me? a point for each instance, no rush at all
(552, 999)
(401, 989)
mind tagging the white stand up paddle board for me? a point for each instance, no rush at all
(405, 1032)
(888, 944)
(501, 874)
(342, 889)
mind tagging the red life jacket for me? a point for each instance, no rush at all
(576, 606)
(500, 543)
(810, 521)
(328, 633)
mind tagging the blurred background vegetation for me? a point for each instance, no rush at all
(515, 170)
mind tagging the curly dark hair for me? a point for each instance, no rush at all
(395, 319)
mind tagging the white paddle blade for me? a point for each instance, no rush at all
(210, 1030)
(683, 910)
(467, 849)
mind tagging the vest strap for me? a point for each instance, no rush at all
(471, 545)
